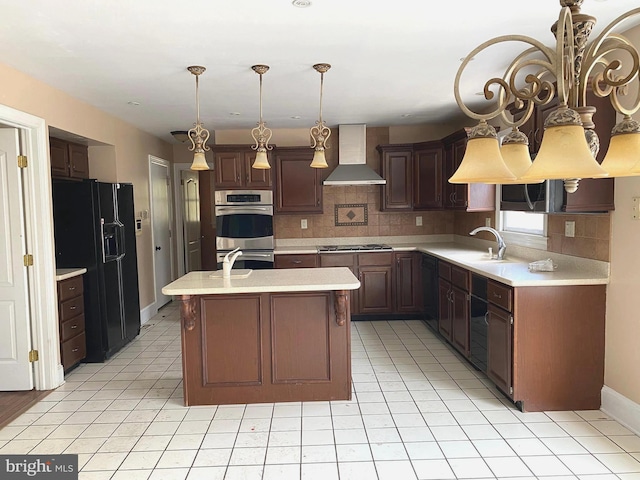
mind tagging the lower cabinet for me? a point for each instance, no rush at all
(453, 300)
(306, 260)
(73, 346)
(408, 282)
(499, 348)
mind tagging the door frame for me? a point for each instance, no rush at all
(179, 217)
(160, 161)
(38, 208)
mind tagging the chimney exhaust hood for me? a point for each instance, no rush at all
(352, 166)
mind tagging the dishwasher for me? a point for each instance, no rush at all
(430, 291)
(478, 324)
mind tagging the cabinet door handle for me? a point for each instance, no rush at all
(496, 295)
(72, 289)
(73, 327)
(296, 262)
(72, 307)
(247, 178)
(485, 318)
(317, 202)
(75, 349)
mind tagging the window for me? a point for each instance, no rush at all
(524, 222)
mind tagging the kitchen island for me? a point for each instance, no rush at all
(273, 336)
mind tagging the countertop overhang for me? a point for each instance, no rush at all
(263, 281)
(65, 273)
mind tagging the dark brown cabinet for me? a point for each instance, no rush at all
(70, 160)
(73, 347)
(307, 260)
(375, 272)
(397, 170)
(453, 300)
(298, 186)
(349, 260)
(427, 176)
(471, 197)
(232, 166)
(408, 287)
(499, 348)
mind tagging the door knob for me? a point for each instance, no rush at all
(158, 248)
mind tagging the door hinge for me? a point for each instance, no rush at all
(33, 355)
(28, 260)
(22, 161)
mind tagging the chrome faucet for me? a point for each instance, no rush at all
(502, 247)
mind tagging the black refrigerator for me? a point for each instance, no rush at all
(94, 228)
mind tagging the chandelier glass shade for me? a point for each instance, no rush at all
(261, 134)
(539, 74)
(198, 135)
(320, 132)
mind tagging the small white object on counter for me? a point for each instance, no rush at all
(262, 281)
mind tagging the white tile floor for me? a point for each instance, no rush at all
(418, 412)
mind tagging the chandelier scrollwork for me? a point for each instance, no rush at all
(540, 73)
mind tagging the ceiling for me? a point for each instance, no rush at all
(393, 63)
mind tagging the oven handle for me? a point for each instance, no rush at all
(243, 209)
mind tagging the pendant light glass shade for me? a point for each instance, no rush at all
(482, 162)
(319, 160)
(199, 162)
(623, 156)
(515, 153)
(261, 162)
(564, 152)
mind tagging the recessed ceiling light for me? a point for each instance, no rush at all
(234, 114)
(405, 115)
(296, 117)
(301, 3)
(135, 104)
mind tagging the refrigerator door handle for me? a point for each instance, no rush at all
(104, 255)
(121, 246)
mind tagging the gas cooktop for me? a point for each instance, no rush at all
(374, 247)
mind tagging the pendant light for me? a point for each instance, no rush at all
(320, 132)
(198, 134)
(482, 161)
(622, 158)
(515, 153)
(261, 134)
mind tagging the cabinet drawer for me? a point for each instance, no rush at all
(460, 278)
(71, 308)
(444, 270)
(74, 350)
(296, 261)
(337, 260)
(500, 295)
(71, 328)
(69, 288)
(382, 259)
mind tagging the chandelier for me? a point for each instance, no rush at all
(320, 132)
(198, 134)
(569, 143)
(261, 134)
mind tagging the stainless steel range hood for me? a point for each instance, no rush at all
(352, 166)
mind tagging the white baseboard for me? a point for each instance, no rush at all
(622, 409)
(147, 312)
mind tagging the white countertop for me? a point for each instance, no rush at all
(263, 281)
(64, 273)
(514, 271)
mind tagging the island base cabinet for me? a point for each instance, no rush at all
(265, 347)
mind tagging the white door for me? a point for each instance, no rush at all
(191, 219)
(16, 372)
(161, 225)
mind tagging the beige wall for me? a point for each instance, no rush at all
(622, 352)
(123, 159)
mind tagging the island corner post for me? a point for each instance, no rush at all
(265, 347)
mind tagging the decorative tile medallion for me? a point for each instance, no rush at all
(352, 214)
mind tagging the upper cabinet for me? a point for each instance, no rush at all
(397, 170)
(70, 160)
(298, 187)
(427, 176)
(232, 166)
(472, 197)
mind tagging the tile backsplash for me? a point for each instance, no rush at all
(592, 236)
(379, 223)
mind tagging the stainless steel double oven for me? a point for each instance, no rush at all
(244, 219)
